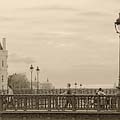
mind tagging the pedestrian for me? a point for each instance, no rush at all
(102, 98)
(10, 91)
(69, 99)
(100, 92)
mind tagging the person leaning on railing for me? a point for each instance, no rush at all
(100, 92)
(102, 98)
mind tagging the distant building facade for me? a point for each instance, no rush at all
(46, 85)
(43, 85)
(3, 65)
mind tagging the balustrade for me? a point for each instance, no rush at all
(58, 102)
(60, 91)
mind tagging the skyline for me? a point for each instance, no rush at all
(71, 41)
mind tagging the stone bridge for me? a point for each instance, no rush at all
(59, 107)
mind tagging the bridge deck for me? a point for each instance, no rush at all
(63, 112)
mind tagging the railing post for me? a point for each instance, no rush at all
(25, 103)
(98, 103)
(118, 102)
(57, 102)
(49, 103)
(118, 98)
(1, 106)
(74, 103)
(37, 102)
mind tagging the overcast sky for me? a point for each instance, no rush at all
(70, 40)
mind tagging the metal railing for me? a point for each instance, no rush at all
(59, 102)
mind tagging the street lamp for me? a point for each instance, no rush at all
(37, 70)
(80, 85)
(117, 25)
(81, 88)
(117, 28)
(75, 87)
(31, 70)
(68, 85)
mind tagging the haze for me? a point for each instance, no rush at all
(71, 40)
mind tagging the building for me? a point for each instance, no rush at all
(3, 65)
(46, 85)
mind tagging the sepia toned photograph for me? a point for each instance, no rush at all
(59, 59)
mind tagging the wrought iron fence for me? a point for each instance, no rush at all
(59, 102)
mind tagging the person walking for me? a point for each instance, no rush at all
(68, 98)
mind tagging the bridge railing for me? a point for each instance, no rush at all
(107, 91)
(59, 102)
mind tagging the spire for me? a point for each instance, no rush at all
(1, 48)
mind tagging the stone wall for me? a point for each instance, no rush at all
(60, 116)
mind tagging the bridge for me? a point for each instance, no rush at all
(67, 107)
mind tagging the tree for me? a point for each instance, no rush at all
(18, 81)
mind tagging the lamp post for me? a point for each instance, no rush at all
(75, 87)
(37, 70)
(80, 85)
(31, 70)
(68, 85)
(81, 88)
(117, 28)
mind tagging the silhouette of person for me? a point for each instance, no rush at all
(100, 92)
(69, 100)
(102, 98)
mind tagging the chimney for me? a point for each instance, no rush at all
(4, 43)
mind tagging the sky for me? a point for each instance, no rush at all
(70, 40)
